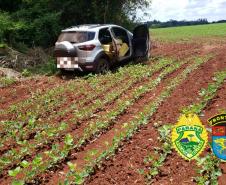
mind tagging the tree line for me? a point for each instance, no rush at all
(173, 23)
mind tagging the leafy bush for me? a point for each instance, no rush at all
(9, 28)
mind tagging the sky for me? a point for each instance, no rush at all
(165, 10)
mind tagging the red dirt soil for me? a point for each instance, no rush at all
(122, 169)
(108, 136)
(22, 90)
(74, 129)
(56, 120)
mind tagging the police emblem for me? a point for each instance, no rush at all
(189, 136)
(218, 124)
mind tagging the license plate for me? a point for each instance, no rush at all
(67, 62)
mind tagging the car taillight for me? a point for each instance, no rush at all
(87, 47)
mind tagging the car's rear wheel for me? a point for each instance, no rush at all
(102, 66)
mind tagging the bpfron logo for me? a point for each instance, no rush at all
(218, 124)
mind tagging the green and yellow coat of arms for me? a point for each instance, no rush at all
(189, 136)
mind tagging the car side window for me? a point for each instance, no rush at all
(120, 34)
(104, 36)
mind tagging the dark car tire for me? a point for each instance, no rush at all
(102, 66)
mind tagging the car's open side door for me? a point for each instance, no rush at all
(121, 43)
(141, 42)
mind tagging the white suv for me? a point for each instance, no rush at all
(97, 47)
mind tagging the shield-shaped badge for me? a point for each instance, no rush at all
(189, 136)
(218, 124)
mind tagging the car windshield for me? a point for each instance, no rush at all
(76, 37)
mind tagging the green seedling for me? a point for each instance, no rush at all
(68, 140)
(18, 182)
(24, 164)
(209, 171)
(14, 172)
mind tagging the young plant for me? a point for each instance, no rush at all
(134, 125)
(209, 170)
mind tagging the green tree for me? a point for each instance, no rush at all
(9, 28)
(38, 22)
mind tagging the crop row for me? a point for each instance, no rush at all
(18, 134)
(34, 124)
(18, 130)
(59, 152)
(77, 176)
(77, 87)
(52, 131)
(209, 164)
(43, 104)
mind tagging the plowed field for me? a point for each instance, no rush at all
(114, 128)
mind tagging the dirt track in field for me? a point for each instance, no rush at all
(123, 167)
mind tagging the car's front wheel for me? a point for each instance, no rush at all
(102, 66)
